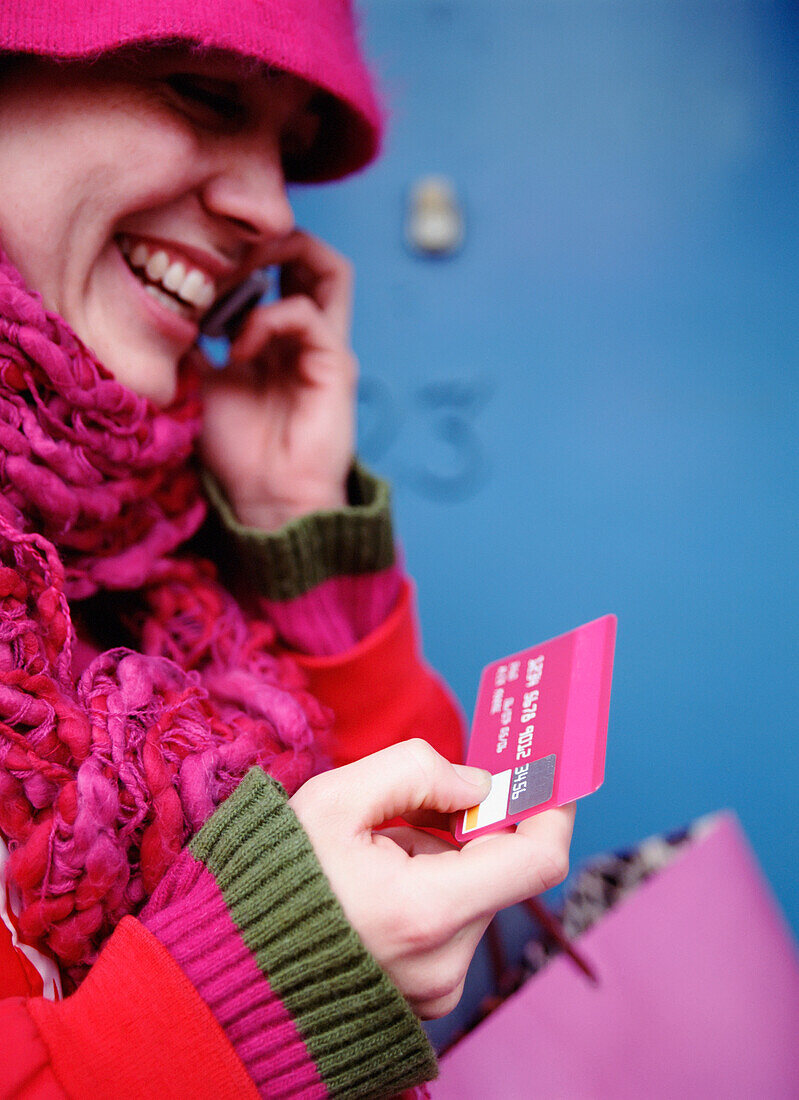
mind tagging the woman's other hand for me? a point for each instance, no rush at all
(279, 421)
(418, 904)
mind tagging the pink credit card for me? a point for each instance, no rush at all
(540, 726)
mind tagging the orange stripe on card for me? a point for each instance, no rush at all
(471, 818)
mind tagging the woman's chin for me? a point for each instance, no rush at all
(148, 375)
(161, 391)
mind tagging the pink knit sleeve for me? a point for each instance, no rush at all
(326, 580)
(337, 614)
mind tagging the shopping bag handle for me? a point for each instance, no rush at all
(506, 978)
(553, 927)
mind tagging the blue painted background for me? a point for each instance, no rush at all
(593, 406)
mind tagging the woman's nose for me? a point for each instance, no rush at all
(248, 189)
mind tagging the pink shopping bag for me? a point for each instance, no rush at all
(697, 997)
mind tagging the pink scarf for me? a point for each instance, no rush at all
(103, 779)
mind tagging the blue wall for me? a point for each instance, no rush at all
(593, 406)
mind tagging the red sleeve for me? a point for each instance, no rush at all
(136, 1027)
(25, 1070)
(381, 691)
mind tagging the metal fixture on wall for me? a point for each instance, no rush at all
(434, 225)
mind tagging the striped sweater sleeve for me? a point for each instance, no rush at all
(242, 977)
(326, 580)
(306, 1007)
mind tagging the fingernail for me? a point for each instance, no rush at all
(476, 777)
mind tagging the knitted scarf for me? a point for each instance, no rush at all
(105, 776)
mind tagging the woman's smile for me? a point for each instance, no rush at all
(173, 318)
(170, 276)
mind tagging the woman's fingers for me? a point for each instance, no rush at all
(293, 334)
(412, 780)
(311, 268)
(400, 780)
(493, 872)
(414, 842)
(419, 904)
(434, 978)
(432, 819)
(412, 777)
(297, 316)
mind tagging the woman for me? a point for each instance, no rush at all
(214, 938)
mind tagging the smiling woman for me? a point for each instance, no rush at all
(200, 606)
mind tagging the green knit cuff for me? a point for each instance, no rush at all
(315, 548)
(357, 1027)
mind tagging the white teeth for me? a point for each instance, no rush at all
(193, 283)
(174, 276)
(190, 284)
(157, 265)
(140, 255)
(205, 296)
(197, 289)
(165, 300)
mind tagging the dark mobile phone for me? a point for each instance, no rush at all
(227, 316)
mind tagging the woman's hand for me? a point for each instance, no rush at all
(279, 421)
(419, 905)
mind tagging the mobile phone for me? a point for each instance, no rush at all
(227, 316)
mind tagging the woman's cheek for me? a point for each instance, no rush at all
(163, 145)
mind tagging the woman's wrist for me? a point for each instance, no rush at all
(350, 540)
(271, 515)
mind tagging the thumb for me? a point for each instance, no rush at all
(405, 778)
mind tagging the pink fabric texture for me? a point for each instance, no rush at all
(225, 973)
(313, 39)
(83, 460)
(104, 777)
(337, 614)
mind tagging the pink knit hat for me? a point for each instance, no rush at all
(313, 39)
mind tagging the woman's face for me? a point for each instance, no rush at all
(134, 194)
